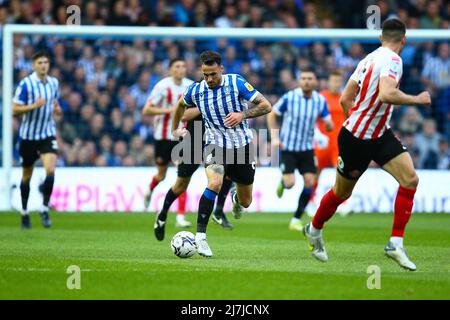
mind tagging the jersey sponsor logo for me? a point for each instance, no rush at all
(249, 86)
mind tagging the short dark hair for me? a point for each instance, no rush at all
(336, 72)
(175, 60)
(40, 54)
(210, 58)
(308, 69)
(393, 30)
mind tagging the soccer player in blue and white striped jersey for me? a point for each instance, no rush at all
(300, 108)
(222, 101)
(36, 100)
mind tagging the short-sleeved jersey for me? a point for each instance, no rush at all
(37, 124)
(300, 115)
(215, 104)
(369, 117)
(166, 94)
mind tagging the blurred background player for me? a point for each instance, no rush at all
(326, 147)
(193, 140)
(161, 102)
(368, 99)
(36, 99)
(301, 108)
(221, 99)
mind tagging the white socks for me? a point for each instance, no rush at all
(24, 212)
(313, 231)
(397, 241)
(295, 220)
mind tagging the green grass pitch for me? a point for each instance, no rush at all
(119, 258)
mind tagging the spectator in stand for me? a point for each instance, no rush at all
(119, 17)
(410, 121)
(96, 130)
(443, 159)
(228, 20)
(436, 78)
(140, 91)
(427, 143)
(431, 20)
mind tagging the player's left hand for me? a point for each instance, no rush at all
(57, 108)
(179, 133)
(233, 119)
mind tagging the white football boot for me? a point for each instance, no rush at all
(316, 244)
(398, 254)
(237, 208)
(147, 198)
(203, 248)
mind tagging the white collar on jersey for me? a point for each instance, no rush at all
(35, 77)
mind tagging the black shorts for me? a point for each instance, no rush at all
(304, 161)
(163, 151)
(30, 150)
(186, 170)
(239, 164)
(355, 154)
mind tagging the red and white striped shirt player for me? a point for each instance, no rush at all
(369, 99)
(369, 117)
(160, 104)
(166, 94)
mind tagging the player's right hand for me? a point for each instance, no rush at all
(179, 133)
(39, 103)
(424, 98)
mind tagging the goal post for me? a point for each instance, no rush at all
(178, 33)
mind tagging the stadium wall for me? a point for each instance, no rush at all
(122, 189)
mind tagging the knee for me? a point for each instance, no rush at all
(245, 202)
(179, 188)
(288, 183)
(411, 181)
(309, 183)
(26, 176)
(215, 185)
(161, 175)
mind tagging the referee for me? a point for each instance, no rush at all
(300, 108)
(36, 101)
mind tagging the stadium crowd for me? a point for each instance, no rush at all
(105, 82)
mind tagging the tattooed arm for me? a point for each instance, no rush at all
(261, 107)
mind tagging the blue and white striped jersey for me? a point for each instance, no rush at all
(37, 124)
(300, 116)
(215, 104)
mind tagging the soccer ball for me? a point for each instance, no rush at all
(183, 244)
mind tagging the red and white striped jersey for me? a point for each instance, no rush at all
(166, 94)
(369, 117)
